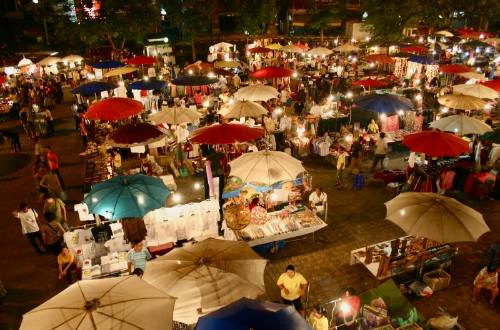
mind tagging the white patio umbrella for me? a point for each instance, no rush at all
(24, 62)
(50, 60)
(207, 275)
(444, 33)
(462, 102)
(473, 75)
(320, 51)
(461, 125)
(436, 217)
(266, 167)
(175, 116)
(347, 48)
(292, 49)
(72, 59)
(477, 90)
(257, 92)
(111, 303)
(120, 71)
(224, 45)
(243, 109)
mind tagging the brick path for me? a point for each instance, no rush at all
(355, 219)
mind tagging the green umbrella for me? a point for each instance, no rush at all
(493, 136)
(127, 196)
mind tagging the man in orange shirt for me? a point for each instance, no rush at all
(53, 161)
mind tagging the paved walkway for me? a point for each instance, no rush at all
(355, 220)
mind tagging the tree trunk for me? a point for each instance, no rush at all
(321, 35)
(193, 49)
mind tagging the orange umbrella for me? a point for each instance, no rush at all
(380, 58)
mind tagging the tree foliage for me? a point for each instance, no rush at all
(255, 16)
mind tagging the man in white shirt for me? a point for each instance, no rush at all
(381, 149)
(317, 200)
(29, 225)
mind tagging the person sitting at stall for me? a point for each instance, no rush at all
(137, 257)
(486, 279)
(317, 318)
(349, 309)
(372, 127)
(317, 200)
(258, 214)
(66, 264)
(292, 285)
(255, 202)
(117, 162)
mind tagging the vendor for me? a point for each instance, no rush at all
(317, 319)
(255, 202)
(349, 308)
(486, 279)
(137, 257)
(66, 264)
(373, 127)
(317, 200)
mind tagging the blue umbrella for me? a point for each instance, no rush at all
(92, 88)
(383, 103)
(421, 59)
(245, 314)
(151, 84)
(127, 196)
(108, 65)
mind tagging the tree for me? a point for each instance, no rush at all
(115, 22)
(255, 16)
(191, 18)
(321, 19)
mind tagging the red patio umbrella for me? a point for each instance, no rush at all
(141, 60)
(493, 84)
(135, 135)
(436, 144)
(256, 50)
(415, 49)
(304, 47)
(380, 58)
(471, 33)
(369, 83)
(114, 108)
(271, 72)
(454, 68)
(226, 134)
(200, 66)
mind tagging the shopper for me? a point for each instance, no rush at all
(52, 233)
(29, 225)
(117, 162)
(67, 265)
(317, 319)
(381, 150)
(53, 161)
(50, 182)
(487, 279)
(49, 120)
(57, 207)
(14, 140)
(292, 285)
(356, 154)
(341, 161)
(137, 257)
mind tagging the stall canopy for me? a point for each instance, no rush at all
(436, 144)
(415, 49)
(444, 33)
(149, 84)
(72, 59)
(227, 64)
(347, 48)
(175, 116)
(50, 60)
(477, 90)
(320, 51)
(114, 108)
(493, 84)
(120, 71)
(194, 81)
(135, 134)
(243, 109)
(370, 83)
(108, 65)
(111, 303)
(257, 92)
(129, 196)
(141, 60)
(292, 49)
(473, 75)
(92, 88)
(257, 50)
(247, 314)
(379, 58)
(462, 102)
(24, 62)
(271, 72)
(199, 67)
(383, 103)
(223, 45)
(275, 46)
(461, 125)
(207, 275)
(226, 134)
(454, 68)
(436, 217)
(266, 167)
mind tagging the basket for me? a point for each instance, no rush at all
(437, 279)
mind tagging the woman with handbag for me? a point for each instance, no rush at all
(52, 233)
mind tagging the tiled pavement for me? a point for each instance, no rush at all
(355, 219)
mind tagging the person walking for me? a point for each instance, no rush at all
(29, 225)
(356, 154)
(292, 285)
(14, 140)
(53, 161)
(137, 257)
(381, 149)
(57, 207)
(49, 120)
(52, 233)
